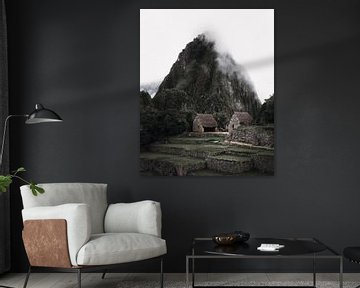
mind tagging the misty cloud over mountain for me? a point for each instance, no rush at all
(151, 87)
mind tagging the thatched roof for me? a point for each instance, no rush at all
(206, 120)
(242, 117)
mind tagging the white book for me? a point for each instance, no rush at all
(270, 247)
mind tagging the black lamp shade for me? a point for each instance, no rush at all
(42, 115)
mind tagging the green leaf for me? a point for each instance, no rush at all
(39, 189)
(5, 182)
(20, 169)
(33, 189)
(36, 189)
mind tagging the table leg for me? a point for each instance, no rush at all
(193, 272)
(341, 273)
(187, 272)
(193, 267)
(314, 271)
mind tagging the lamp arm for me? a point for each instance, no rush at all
(4, 134)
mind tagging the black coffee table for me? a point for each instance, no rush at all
(295, 248)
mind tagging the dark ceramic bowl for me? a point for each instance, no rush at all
(225, 239)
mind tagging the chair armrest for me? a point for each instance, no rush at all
(138, 217)
(78, 223)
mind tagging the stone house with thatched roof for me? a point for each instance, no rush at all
(204, 123)
(239, 119)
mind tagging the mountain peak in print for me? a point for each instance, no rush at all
(207, 81)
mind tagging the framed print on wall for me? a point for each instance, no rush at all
(207, 92)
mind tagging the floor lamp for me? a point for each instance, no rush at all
(39, 115)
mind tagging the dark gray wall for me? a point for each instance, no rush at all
(81, 58)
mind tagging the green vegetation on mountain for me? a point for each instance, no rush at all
(266, 113)
(145, 100)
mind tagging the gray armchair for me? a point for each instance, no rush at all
(72, 228)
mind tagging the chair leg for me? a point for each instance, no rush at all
(161, 273)
(27, 277)
(79, 277)
(103, 275)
